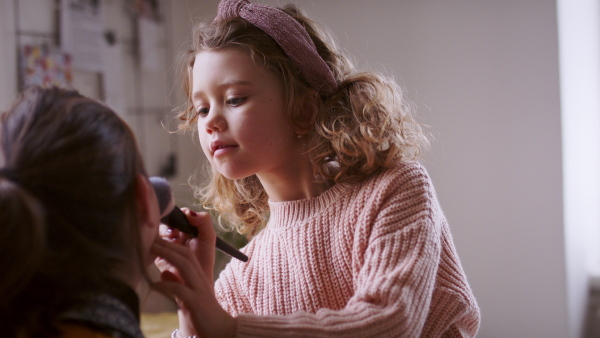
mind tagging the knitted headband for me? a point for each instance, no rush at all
(289, 35)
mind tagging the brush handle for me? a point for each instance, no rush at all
(230, 250)
(177, 219)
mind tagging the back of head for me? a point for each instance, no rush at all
(67, 197)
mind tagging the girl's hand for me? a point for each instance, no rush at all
(205, 251)
(199, 311)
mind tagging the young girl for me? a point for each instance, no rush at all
(316, 162)
(78, 219)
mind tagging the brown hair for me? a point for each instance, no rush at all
(366, 125)
(67, 202)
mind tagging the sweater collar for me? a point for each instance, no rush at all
(289, 213)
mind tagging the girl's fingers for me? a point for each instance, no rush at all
(176, 291)
(161, 264)
(167, 233)
(205, 247)
(197, 305)
(174, 254)
(191, 288)
(182, 259)
(203, 222)
(168, 276)
(174, 236)
(175, 248)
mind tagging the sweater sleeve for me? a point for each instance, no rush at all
(228, 291)
(396, 258)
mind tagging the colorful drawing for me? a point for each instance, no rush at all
(43, 66)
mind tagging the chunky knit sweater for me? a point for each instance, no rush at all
(373, 259)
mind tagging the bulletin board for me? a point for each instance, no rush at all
(114, 51)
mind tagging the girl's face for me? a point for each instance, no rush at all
(242, 125)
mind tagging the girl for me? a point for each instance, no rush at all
(78, 219)
(317, 164)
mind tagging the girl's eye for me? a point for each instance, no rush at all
(236, 101)
(202, 111)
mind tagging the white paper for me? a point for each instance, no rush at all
(150, 50)
(114, 79)
(82, 33)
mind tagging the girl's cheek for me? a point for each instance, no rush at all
(205, 145)
(202, 137)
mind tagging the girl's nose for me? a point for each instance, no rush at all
(215, 121)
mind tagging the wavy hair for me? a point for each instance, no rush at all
(365, 126)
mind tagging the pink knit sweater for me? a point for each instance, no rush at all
(374, 259)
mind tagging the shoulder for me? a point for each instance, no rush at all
(407, 173)
(400, 197)
(409, 179)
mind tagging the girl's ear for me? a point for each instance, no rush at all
(305, 112)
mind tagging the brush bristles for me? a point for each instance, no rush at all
(163, 193)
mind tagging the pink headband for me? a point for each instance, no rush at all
(289, 35)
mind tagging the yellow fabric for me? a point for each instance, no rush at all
(159, 325)
(78, 331)
(153, 325)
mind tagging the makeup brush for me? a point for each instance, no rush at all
(177, 219)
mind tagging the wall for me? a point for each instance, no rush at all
(8, 55)
(579, 33)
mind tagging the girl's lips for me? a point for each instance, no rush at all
(223, 149)
(217, 144)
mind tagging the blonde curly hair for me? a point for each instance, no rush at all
(365, 126)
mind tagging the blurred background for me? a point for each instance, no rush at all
(510, 90)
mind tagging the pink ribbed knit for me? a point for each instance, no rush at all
(374, 259)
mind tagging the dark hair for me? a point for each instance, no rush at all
(67, 202)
